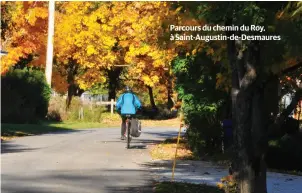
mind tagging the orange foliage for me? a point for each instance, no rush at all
(26, 33)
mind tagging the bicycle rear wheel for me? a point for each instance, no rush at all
(128, 135)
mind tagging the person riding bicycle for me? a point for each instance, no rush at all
(127, 104)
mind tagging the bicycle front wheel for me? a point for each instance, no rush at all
(128, 135)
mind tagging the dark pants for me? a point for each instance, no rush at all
(123, 126)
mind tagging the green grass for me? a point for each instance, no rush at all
(78, 125)
(18, 130)
(178, 187)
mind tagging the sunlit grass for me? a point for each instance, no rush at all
(166, 150)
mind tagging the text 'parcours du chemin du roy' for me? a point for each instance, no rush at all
(217, 28)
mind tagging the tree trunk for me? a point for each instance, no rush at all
(113, 76)
(73, 90)
(249, 132)
(70, 94)
(271, 97)
(152, 102)
(247, 115)
(170, 102)
(72, 70)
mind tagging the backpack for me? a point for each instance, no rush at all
(132, 99)
(135, 127)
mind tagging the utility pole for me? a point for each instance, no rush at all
(51, 27)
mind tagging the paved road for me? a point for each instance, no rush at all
(84, 161)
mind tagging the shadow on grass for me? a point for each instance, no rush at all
(178, 187)
(19, 130)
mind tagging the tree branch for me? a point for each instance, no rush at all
(276, 126)
(292, 68)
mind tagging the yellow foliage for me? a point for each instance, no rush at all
(90, 50)
(220, 185)
(194, 51)
(95, 38)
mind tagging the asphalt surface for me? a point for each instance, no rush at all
(81, 161)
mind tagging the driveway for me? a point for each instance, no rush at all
(96, 161)
(90, 160)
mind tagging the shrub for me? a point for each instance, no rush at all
(201, 101)
(25, 96)
(57, 111)
(285, 153)
(165, 113)
(161, 113)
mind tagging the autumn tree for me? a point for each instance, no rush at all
(256, 68)
(106, 35)
(23, 33)
(71, 48)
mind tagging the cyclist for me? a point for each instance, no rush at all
(127, 104)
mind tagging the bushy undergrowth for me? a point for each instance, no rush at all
(161, 113)
(76, 112)
(196, 86)
(25, 96)
(285, 153)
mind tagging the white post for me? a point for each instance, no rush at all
(49, 56)
(112, 106)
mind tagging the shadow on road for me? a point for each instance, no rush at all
(9, 147)
(84, 181)
(134, 189)
(138, 147)
(136, 143)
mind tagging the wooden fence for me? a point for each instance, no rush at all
(112, 103)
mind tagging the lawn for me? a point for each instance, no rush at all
(18, 130)
(178, 187)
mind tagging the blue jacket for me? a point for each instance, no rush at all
(128, 103)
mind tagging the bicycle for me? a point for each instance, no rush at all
(128, 127)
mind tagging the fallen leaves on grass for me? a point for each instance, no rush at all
(8, 135)
(166, 150)
(179, 187)
(228, 184)
(115, 120)
(111, 119)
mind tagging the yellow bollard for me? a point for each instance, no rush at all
(174, 163)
